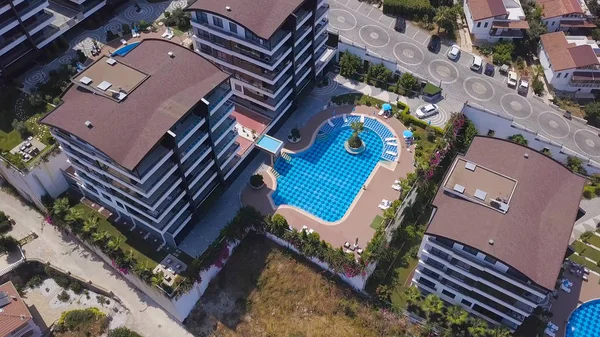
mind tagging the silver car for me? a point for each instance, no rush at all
(454, 52)
(427, 111)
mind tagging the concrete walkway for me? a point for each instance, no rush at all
(146, 317)
(589, 221)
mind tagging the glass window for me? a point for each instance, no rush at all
(449, 294)
(203, 17)
(478, 24)
(233, 27)
(470, 250)
(467, 303)
(217, 22)
(490, 259)
(485, 25)
(558, 75)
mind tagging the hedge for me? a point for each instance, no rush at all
(408, 8)
(407, 119)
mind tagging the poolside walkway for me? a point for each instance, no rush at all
(356, 223)
(581, 292)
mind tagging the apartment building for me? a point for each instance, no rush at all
(571, 64)
(15, 318)
(272, 48)
(495, 20)
(567, 15)
(149, 135)
(499, 231)
(26, 26)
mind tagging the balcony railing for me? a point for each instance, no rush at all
(26, 7)
(301, 15)
(6, 40)
(516, 33)
(321, 12)
(16, 54)
(35, 21)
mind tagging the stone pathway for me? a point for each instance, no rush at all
(589, 221)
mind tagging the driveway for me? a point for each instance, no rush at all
(146, 317)
(368, 26)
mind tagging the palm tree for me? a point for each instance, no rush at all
(478, 328)
(99, 237)
(115, 242)
(60, 207)
(357, 127)
(90, 224)
(499, 332)
(457, 317)
(445, 17)
(354, 141)
(519, 139)
(157, 279)
(433, 306)
(74, 214)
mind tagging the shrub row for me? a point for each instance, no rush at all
(408, 8)
(409, 120)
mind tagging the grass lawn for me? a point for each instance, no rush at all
(594, 240)
(572, 107)
(403, 282)
(265, 290)
(377, 222)
(587, 263)
(586, 251)
(177, 32)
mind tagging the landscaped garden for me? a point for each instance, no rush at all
(587, 250)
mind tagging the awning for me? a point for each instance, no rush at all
(511, 24)
(407, 134)
(577, 24)
(386, 107)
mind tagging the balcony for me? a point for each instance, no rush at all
(321, 13)
(185, 130)
(511, 33)
(8, 21)
(219, 117)
(11, 40)
(321, 3)
(228, 156)
(225, 144)
(264, 60)
(321, 40)
(268, 102)
(205, 180)
(173, 227)
(232, 165)
(219, 100)
(37, 22)
(302, 16)
(301, 36)
(270, 90)
(222, 131)
(194, 145)
(204, 191)
(153, 159)
(302, 47)
(16, 54)
(45, 35)
(190, 166)
(29, 8)
(167, 217)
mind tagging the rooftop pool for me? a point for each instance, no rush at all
(585, 320)
(324, 179)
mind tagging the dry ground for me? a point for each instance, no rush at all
(265, 290)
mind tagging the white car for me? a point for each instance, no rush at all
(454, 52)
(512, 79)
(427, 111)
(476, 64)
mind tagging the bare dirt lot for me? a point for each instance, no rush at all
(265, 290)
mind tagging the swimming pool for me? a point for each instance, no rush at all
(125, 49)
(585, 320)
(324, 179)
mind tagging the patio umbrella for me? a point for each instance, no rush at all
(386, 107)
(407, 134)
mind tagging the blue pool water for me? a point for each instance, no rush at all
(325, 179)
(585, 320)
(125, 49)
(269, 143)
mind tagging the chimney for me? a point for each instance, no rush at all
(526, 155)
(171, 55)
(228, 8)
(88, 124)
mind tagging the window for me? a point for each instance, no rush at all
(470, 250)
(485, 25)
(558, 75)
(553, 22)
(217, 22)
(203, 17)
(449, 294)
(426, 283)
(237, 87)
(467, 303)
(233, 27)
(120, 205)
(478, 24)
(490, 259)
(221, 55)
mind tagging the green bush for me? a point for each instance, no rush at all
(576, 165)
(76, 286)
(8, 244)
(256, 180)
(79, 319)
(178, 18)
(408, 85)
(123, 332)
(408, 120)
(519, 139)
(408, 8)
(503, 52)
(125, 28)
(380, 74)
(35, 281)
(589, 192)
(349, 64)
(64, 296)
(538, 87)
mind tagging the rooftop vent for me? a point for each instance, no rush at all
(228, 8)
(481, 195)
(85, 80)
(459, 188)
(104, 85)
(111, 61)
(491, 242)
(470, 166)
(171, 55)
(22, 317)
(526, 155)
(88, 124)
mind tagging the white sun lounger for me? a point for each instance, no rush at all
(397, 187)
(553, 326)
(169, 36)
(381, 112)
(310, 231)
(565, 289)
(392, 143)
(362, 118)
(330, 123)
(389, 139)
(123, 41)
(391, 153)
(304, 228)
(165, 33)
(385, 204)
(345, 118)
(549, 333)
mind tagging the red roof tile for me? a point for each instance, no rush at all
(15, 314)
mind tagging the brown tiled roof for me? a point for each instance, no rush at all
(15, 314)
(564, 55)
(484, 9)
(262, 17)
(522, 24)
(533, 235)
(554, 8)
(128, 130)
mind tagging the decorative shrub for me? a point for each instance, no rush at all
(256, 180)
(295, 133)
(350, 64)
(64, 296)
(123, 332)
(408, 8)
(8, 244)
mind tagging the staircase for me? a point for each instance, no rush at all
(274, 172)
(286, 156)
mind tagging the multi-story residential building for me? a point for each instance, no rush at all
(272, 48)
(15, 318)
(566, 15)
(499, 232)
(150, 135)
(495, 20)
(571, 64)
(26, 26)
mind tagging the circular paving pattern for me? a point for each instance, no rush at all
(341, 19)
(177, 4)
(374, 36)
(516, 105)
(553, 124)
(440, 119)
(408, 53)
(132, 14)
(329, 88)
(86, 40)
(66, 58)
(479, 89)
(587, 142)
(160, 9)
(114, 26)
(443, 71)
(35, 77)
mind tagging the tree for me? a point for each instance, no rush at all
(60, 207)
(114, 243)
(538, 86)
(349, 64)
(100, 237)
(596, 34)
(21, 128)
(478, 328)
(380, 73)
(73, 215)
(123, 332)
(457, 317)
(592, 112)
(518, 138)
(8, 244)
(407, 84)
(90, 225)
(433, 306)
(354, 141)
(446, 17)
(499, 332)
(576, 165)
(503, 52)
(157, 279)
(413, 296)
(533, 13)
(178, 18)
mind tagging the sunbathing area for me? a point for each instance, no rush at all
(318, 184)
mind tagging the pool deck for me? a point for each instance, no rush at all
(581, 292)
(356, 222)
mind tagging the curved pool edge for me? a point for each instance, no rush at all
(568, 325)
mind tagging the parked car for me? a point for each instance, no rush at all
(512, 79)
(523, 87)
(434, 44)
(454, 52)
(489, 69)
(427, 111)
(476, 64)
(400, 25)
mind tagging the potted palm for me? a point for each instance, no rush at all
(257, 181)
(294, 136)
(354, 144)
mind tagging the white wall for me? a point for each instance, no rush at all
(45, 178)
(504, 127)
(552, 24)
(241, 32)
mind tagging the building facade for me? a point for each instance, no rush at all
(153, 148)
(15, 318)
(272, 49)
(571, 64)
(491, 21)
(567, 15)
(477, 251)
(27, 26)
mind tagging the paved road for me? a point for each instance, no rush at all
(146, 317)
(367, 26)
